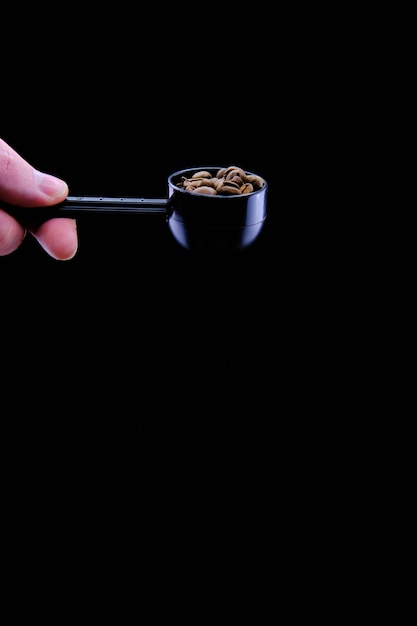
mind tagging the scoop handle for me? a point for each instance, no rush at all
(78, 206)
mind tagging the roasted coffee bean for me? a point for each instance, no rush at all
(232, 180)
(234, 171)
(228, 189)
(235, 179)
(201, 174)
(256, 181)
(205, 189)
(204, 182)
(246, 188)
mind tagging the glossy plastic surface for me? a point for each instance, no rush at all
(217, 222)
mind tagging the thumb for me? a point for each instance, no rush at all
(22, 184)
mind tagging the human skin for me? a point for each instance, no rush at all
(21, 184)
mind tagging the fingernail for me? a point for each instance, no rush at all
(52, 186)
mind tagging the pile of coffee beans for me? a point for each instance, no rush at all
(227, 181)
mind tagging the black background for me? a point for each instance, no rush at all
(153, 391)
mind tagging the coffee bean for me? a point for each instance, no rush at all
(232, 180)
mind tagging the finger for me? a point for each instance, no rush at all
(23, 185)
(58, 237)
(12, 234)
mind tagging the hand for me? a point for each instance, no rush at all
(23, 185)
